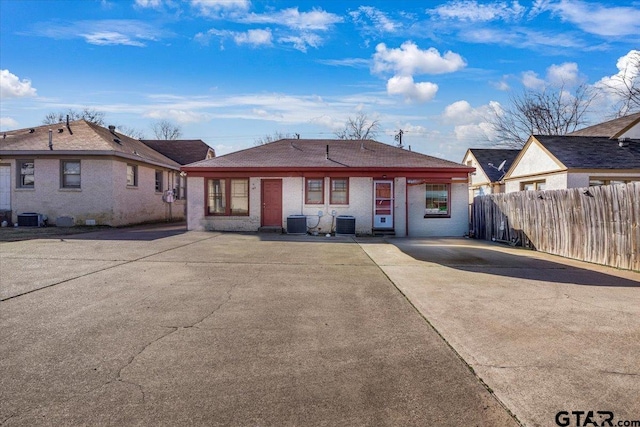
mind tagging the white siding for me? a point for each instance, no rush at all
(534, 161)
(555, 181)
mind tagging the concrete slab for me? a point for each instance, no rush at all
(223, 329)
(546, 334)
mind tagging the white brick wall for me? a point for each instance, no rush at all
(457, 225)
(103, 196)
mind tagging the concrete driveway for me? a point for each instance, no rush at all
(158, 326)
(546, 334)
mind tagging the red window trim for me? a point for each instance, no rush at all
(331, 202)
(227, 190)
(306, 191)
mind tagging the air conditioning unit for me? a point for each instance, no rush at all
(345, 225)
(31, 219)
(296, 224)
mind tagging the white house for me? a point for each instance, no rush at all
(78, 173)
(384, 188)
(491, 166)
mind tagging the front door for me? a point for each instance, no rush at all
(5, 188)
(383, 204)
(271, 203)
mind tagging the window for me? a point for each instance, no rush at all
(314, 194)
(339, 191)
(595, 182)
(132, 175)
(26, 176)
(180, 188)
(437, 201)
(70, 173)
(228, 197)
(158, 181)
(533, 185)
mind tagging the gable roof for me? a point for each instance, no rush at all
(183, 151)
(296, 154)
(583, 152)
(79, 138)
(611, 129)
(494, 156)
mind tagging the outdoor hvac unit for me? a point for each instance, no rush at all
(345, 225)
(30, 219)
(296, 224)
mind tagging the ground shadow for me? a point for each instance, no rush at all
(144, 233)
(487, 258)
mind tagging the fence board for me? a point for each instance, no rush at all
(601, 226)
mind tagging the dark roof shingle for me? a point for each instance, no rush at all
(312, 153)
(592, 152)
(183, 151)
(495, 156)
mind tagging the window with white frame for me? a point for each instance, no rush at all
(437, 199)
(132, 175)
(26, 174)
(70, 174)
(533, 185)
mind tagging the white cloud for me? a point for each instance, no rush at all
(12, 87)
(563, 74)
(302, 41)
(409, 60)
(127, 32)
(254, 37)
(597, 19)
(472, 11)
(316, 20)
(531, 80)
(628, 75)
(8, 123)
(379, 21)
(106, 38)
(149, 3)
(346, 62)
(405, 86)
(214, 7)
(471, 124)
(179, 116)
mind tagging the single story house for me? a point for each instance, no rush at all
(491, 166)
(622, 127)
(560, 162)
(385, 189)
(81, 173)
(183, 152)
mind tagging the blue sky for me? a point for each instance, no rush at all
(232, 71)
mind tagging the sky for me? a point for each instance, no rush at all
(231, 72)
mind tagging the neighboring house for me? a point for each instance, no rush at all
(560, 162)
(623, 127)
(78, 172)
(182, 151)
(491, 166)
(385, 188)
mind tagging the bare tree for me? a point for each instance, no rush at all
(277, 135)
(626, 86)
(164, 129)
(551, 111)
(131, 132)
(88, 114)
(359, 127)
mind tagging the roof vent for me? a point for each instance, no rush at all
(32, 130)
(623, 142)
(60, 130)
(112, 128)
(117, 141)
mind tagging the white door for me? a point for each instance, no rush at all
(383, 204)
(5, 188)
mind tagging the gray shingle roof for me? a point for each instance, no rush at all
(592, 152)
(81, 136)
(495, 156)
(610, 129)
(311, 153)
(183, 151)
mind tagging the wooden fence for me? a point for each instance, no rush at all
(599, 224)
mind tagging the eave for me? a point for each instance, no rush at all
(83, 153)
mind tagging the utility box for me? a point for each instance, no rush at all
(65, 221)
(296, 224)
(345, 225)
